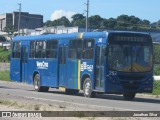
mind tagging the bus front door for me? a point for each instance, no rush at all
(63, 65)
(15, 62)
(99, 72)
(24, 58)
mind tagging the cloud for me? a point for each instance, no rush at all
(60, 13)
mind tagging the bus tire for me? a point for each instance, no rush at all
(129, 96)
(87, 88)
(37, 85)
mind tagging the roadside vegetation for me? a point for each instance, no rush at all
(4, 55)
(156, 90)
(4, 75)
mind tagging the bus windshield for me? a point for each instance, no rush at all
(130, 58)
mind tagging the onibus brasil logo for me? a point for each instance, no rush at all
(42, 65)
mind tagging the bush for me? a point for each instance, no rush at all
(157, 69)
(156, 88)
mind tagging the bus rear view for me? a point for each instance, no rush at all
(130, 65)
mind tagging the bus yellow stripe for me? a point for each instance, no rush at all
(79, 67)
(80, 35)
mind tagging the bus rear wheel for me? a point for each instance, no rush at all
(87, 88)
(37, 85)
(129, 96)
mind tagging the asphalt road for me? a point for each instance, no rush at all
(101, 102)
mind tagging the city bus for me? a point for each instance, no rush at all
(114, 62)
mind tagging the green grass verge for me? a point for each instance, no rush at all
(4, 55)
(156, 88)
(5, 75)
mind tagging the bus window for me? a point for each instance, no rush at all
(40, 49)
(75, 47)
(32, 49)
(88, 49)
(16, 50)
(51, 49)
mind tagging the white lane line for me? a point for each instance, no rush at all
(125, 109)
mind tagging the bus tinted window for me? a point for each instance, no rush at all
(88, 49)
(75, 48)
(16, 50)
(40, 49)
(51, 49)
(32, 49)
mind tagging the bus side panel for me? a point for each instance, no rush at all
(87, 68)
(72, 74)
(15, 70)
(48, 74)
(49, 77)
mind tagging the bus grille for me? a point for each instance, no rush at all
(130, 88)
(131, 77)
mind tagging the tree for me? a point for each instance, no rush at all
(64, 21)
(95, 21)
(2, 39)
(77, 17)
(134, 20)
(146, 22)
(48, 23)
(110, 23)
(10, 30)
(78, 20)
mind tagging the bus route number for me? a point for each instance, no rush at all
(112, 73)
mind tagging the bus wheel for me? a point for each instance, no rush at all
(129, 96)
(37, 86)
(87, 88)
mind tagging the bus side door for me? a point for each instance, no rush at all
(24, 63)
(63, 49)
(99, 64)
(15, 63)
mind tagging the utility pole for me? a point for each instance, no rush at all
(87, 11)
(19, 19)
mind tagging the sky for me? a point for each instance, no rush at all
(54, 9)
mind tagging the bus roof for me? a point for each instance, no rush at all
(73, 35)
(62, 36)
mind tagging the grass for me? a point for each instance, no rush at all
(157, 69)
(5, 75)
(4, 55)
(156, 89)
(15, 104)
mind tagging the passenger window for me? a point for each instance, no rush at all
(16, 50)
(75, 48)
(51, 49)
(40, 49)
(32, 49)
(88, 49)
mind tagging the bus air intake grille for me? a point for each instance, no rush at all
(130, 77)
(130, 88)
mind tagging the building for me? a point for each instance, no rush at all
(50, 30)
(27, 21)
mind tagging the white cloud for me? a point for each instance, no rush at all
(60, 13)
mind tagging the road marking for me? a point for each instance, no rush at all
(80, 104)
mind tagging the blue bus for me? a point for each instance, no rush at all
(115, 62)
